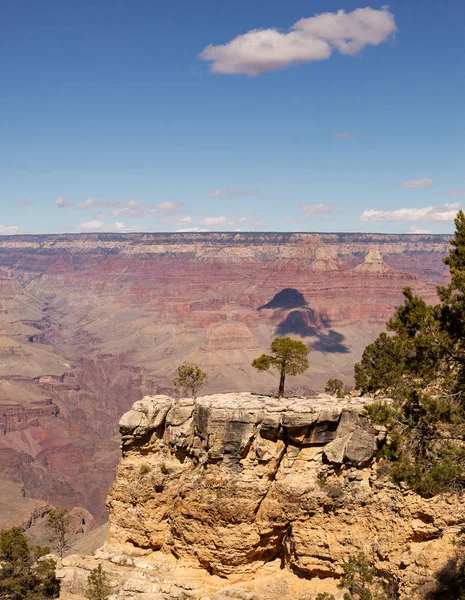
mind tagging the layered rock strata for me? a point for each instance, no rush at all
(216, 495)
(92, 322)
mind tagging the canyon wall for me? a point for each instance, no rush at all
(89, 323)
(244, 496)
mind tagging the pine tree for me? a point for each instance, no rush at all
(98, 587)
(288, 356)
(58, 522)
(189, 379)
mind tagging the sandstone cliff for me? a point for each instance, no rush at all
(242, 496)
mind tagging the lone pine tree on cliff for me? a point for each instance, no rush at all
(288, 356)
(189, 379)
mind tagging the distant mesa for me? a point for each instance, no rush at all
(287, 299)
(326, 259)
(373, 263)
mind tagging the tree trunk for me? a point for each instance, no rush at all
(281, 383)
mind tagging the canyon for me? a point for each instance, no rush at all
(244, 496)
(90, 323)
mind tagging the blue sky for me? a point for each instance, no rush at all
(149, 115)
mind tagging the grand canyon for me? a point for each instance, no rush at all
(91, 323)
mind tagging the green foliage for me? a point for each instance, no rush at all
(24, 575)
(189, 379)
(144, 470)
(334, 386)
(363, 582)
(58, 522)
(421, 364)
(288, 356)
(324, 596)
(418, 448)
(98, 587)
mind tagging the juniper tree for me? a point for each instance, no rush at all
(189, 379)
(58, 523)
(286, 355)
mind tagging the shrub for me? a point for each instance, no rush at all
(98, 587)
(24, 574)
(334, 386)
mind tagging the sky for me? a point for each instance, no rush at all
(253, 115)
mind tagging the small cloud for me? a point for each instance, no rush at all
(95, 202)
(418, 183)
(106, 227)
(220, 221)
(446, 212)
(10, 230)
(310, 39)
(452, 192)
(60, 201)
(233, 193)
(346, 134)
(251, 223)
(164, 209)
(22, 203)
(187, 220)
(134, 209)
(317, 209)
(418, 230)
(133, 203)
(192, 230)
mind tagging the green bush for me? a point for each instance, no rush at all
(24, 573)
(334, 386)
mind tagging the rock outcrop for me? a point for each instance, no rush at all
(234, 493)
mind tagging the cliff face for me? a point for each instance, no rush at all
(90, 323)
(260, 493)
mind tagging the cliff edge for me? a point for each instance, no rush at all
(239, 493)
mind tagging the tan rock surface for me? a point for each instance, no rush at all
(242, 496)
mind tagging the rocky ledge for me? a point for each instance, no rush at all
(251, 493)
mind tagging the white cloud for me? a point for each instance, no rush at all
(22, 203)
(233, 192)
(419, 230)
(10, 229)
(310, 39)
(446, 212)
(187, 220)
(346, 134)
(418, 183)
(251, 222)
(217, 222)
(452, 192)
(134, 208)
(317, 209)
(60, 201)
(133, 203)
(95, 202)
(106, 227)
(192, 230)
(164, 209)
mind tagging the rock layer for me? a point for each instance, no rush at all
(236, 484)
(92, 322)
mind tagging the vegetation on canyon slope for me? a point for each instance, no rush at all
(421, 364)
(286, 355)
(24, 573)
(58, 524)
